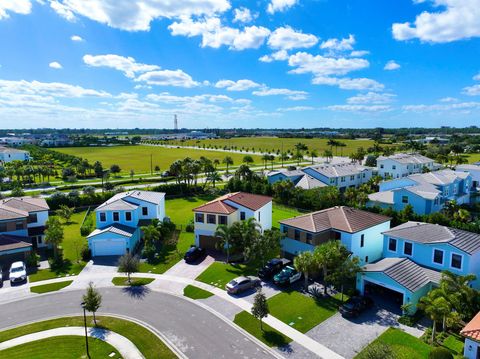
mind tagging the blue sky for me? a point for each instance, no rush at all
(221, 63)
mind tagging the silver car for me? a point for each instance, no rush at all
(241, 284)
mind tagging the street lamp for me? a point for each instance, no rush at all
(85, 324)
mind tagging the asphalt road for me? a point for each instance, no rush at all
(194, 331)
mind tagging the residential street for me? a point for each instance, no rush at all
(193, 330)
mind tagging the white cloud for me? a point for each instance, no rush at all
(62, 10)
(371, 98)
(167, 78)
(56, 89)
(454, 20)
(127, 65)
(472, 90)
(477, 77)
(240, 85)
(215, 35)
(324, 66)
(286, 38)
(336, 45)
(76, 38)
(136, 15)
(448, 99)
(462, 106)
(280, 5)
(280, 55)
(391, 65)
(346, 83)
(242, 15)
(290, 94)
(359, 53)
(359, 108)
(295, 108)
(23, 7)
(55, 65)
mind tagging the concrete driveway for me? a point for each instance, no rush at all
(191, 271)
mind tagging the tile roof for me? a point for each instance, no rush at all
(427, 191)
(123, 202)
(382, 197)
(9, 149)
(116, 228)
(405, 272)
(248, 200)
(441, 177)
(27, 204)
(472, 329)
(433, 233)
(342, 218)
(8, 242)
(308, 182)
(117, 205)
(406, 158)
(468, 167)
(7, 213)
(337, 170)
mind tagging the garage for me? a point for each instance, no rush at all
(207, 242)
(109, 247)
(384, 297)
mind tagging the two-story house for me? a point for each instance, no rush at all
(360, 231)
(119, 219)
(299, 178)
(425, 192)
(474, 171)
(226, 210)
(8, 154)
(402, 165)
(415, 254)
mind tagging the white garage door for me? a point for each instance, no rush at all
(107, 247)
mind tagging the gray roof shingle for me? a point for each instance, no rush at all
(116, 228)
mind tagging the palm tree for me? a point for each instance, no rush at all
(328, 154)
(436, 307)
(265, 158)
(304, 263)
(224, 233)
(313, 154)
(214, 177)
(227, 161)
(247, 159)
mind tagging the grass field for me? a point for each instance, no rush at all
(264, 144)
(52, 287)
(473, 157)
(193, 292)
(147, 342)
(135, 282)
(57, 347)
(268, 335)
(138, 157)
(219, 274)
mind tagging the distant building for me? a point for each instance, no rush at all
(12, 154)
(434, 139)
(402, 165)
(16, 141)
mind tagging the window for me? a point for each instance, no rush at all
(456, 261)
(309, 238)
(362, 241)
(404, 199)
(337, 235)
(32, 218)
(394, 167)
(297, 235)
(128, 216)
(3, 227)
(199, 217)
(242, 216)
(358, 176)
(352, 178)
(363, 175)
(436, 200)
(103, 217)
(211, 219)
(342, 179)
(392, 245)
(259, 216)
(116, 216)
(332, 180)
(145, 211)
(438, 256)
(366, 259)
(222, 220)
(408, 248)
(381, 166)
(18, 225)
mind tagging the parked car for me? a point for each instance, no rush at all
(165, 174)
(288, 275)
(355, 306)
(272, 267)
(18, 272)
(193, 254)
(241, 284)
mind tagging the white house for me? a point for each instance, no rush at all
(471, 332)
(402, 165)
(119, 220)
(228, 209)
(12, 154)
(474, 170)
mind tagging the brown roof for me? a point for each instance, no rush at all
(472, 329)
(8, 242)
(27, 204)
(248, 200)
(7, 213)
(342, 218)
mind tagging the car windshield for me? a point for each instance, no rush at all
(232, 282)
(17, 269)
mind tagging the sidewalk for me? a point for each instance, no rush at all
(124, 346)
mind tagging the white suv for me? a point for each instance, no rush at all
(18, 272)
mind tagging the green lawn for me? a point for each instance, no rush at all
(138, 157)
(193, 292)
(455, 344)
(219, 274)
(268, 335)
(147, 342)
(180, 212)
(50, 287)
(404, 345)
(135, 282)
(473, 157)
(280, 213)
(57, 347)
(72, 245)
(300, 311)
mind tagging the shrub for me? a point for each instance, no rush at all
(378, 351)
(85, 253)
(440, 353)
(32, 260)
(149, 252)
(190, 227)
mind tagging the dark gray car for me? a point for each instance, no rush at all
(241, 284)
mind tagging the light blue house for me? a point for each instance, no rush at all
(401, 165)
(119, 219)
(426, 193)
(360, 231)
(297, 177)
(414, 255)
